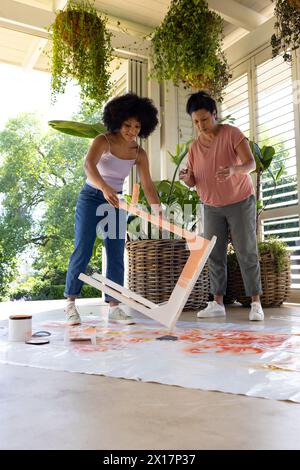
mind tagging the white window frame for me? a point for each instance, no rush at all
(248, 65)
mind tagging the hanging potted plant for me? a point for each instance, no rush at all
(186, 47)
(81, 51)
(287, 28)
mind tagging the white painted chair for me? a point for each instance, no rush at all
(167, 313)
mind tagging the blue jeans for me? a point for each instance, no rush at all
(94, 216)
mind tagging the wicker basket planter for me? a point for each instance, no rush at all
(154, 267)
(275, 286)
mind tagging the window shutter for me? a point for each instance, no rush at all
(236, 103)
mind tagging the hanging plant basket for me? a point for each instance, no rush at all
(69, 25)
(294, 3)
(81, 51)
(286, 38)
(187, 48)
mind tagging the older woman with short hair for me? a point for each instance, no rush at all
(219, 163)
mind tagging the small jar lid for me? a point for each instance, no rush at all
(20, 317)
(37, 341)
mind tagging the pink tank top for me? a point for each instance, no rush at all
(113, 169)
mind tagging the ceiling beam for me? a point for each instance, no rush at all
(237, 14)
(34, 52)
(250, 42)
(24, 18)
(35, 21)
(58, 4)
(38, 44)
(233, 37)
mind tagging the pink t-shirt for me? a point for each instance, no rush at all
(205, 161)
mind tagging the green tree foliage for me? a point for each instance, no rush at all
(7, 271)
(41, 173)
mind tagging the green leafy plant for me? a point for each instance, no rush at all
(78, 129)
(278, 249)
(186, 47)
(274, 246)
(263, 158)
(287, 28)
(177, 158)
(82, 51)
(180, 202)
(175, 198)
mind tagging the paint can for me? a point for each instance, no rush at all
(19, 327)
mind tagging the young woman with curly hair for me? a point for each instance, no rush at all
(107, 163)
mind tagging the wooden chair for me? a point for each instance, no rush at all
(167, 313)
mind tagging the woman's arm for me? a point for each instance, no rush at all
(92, 158)
(98, 147)
(244, 153)
(146, 181)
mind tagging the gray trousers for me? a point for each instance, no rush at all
(240, 219)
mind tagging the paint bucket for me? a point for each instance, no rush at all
(19, 327)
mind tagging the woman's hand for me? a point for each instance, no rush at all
(224, 173)
(185, 175)
(111, 195)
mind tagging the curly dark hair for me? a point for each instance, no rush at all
(200, 100)
(121, 108)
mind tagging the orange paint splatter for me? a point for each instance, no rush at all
(193, 340)
(89, 348)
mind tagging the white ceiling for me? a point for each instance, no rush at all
(23, 23)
